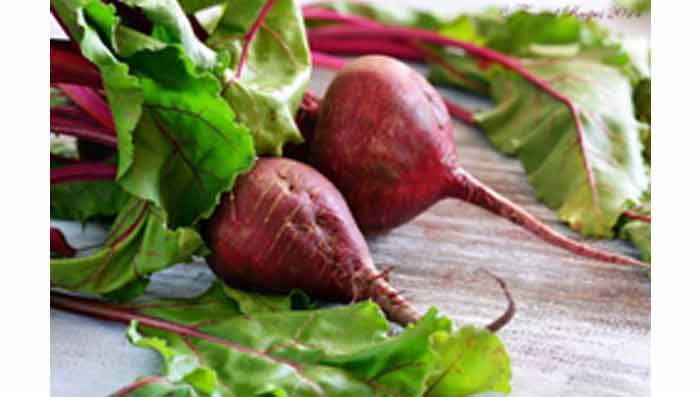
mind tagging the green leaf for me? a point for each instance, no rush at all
(551, 35)
(158, 386)
(472, 351)
(274, 75)
(251, 302)
(87, 21)
(188, 148)
(221, 352)
(540, 130)
(172, 26)
(139, 243)
(639, 232)
(82, 201)
(179, 144)
(640, 6)
(219, 302)
(192, 6)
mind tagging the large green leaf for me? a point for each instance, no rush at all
(309, 353)
(82, 201)
(188, 148)
(179, 144)
(139, 243)
(588, 175)
(274, 74)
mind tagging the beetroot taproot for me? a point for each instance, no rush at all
(286, 226)
(384, 137)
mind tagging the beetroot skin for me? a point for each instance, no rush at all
(384, 137)
(286, 226)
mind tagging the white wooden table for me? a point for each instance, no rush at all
(582, 328)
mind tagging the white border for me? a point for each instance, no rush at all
(676, 198)
(24, 208)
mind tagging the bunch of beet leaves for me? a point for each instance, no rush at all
(157, 108)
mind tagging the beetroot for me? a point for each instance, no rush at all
(384, 137)
(286, 226)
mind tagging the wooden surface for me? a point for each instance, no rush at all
(582, 327)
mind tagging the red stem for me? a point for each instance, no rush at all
(389, 32)
(331, 62)
(63, 160)
(138, 384)
(309, 102)
(83, 171)
(109, 312)
(460, 113)
(312, 12)
(91, 102)
(351, 47)
(70, 121)
(69, 66)
(248, 38)
(327, 61)
(508, 315)
(131, 227)
(471, 190)
(59, 244)
(636, 216)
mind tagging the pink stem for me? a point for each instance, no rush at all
(328, 61)
(350, 47)
(106, 311)
(460, 113)
(248, 38)
(91, 102)
(637, 216)
(486, 54)
(83, 171)
(309, 102)
(471, 190)
(138, 384)
(70, 121)
(59, 244)
(312, 12)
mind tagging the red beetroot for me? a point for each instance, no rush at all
(384, 138)
(286, 226)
